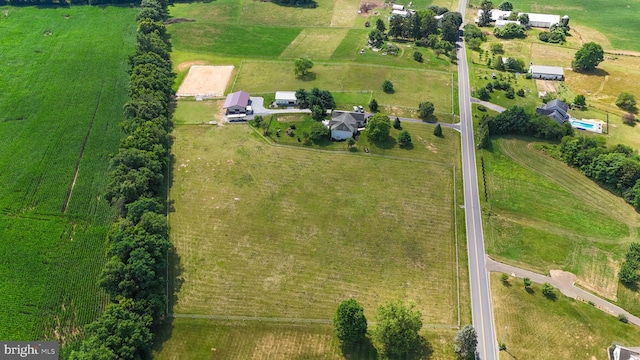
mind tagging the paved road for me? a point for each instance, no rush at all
(481, 310)
(563, 281)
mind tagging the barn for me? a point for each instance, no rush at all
(546, 72)
(236, 103)
(542, 20)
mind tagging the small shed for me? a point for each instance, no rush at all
(236, 103)
(402, 13)
(397, 7)
(546, 72)
(286, 98)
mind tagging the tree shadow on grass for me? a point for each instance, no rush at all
(551, 296)
(422, 351)
(530, 291)
(361, 350)
(596, 72)
(388, 143)
(310, 76)
(506, 283)
(408, 146)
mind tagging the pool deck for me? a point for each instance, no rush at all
(592, 125)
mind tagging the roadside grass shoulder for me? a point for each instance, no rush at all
(292, 232)
(527, 322)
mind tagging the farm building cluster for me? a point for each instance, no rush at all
(501, 18)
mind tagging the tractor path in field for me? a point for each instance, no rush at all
(565, 282)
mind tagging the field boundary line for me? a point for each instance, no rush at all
(235, 79)
(84, 145)
(285, 320)
(337, 63)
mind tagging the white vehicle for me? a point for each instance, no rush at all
(355, 108)
(361, 108)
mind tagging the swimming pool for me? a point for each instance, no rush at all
(582, 125)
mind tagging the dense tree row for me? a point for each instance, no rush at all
(629, 270)
(134, 276)
(617, 168)
(319, 101)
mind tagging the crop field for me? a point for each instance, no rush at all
(272, 231)
(65, 87)
(534, 327)
(546, 215)
(411, 86)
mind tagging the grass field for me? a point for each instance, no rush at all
(201, 339)
(545, 215)
(411, 86)
(316, 43)
(65, 85)
(285, 236)
(534, 327)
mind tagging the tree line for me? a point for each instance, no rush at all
(134, 276)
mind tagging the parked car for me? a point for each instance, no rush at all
(361, 108)
(355, 108)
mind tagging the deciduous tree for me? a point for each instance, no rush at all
(397, 328)
(404, 138)
(302, 66)
(626, 101)
(349, 322)
(425, 110)
(378, 127)
(387, 86)
(588, 57)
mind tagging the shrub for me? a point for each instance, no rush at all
(520, 93)
(483, 94)
(623, 318)
(387, 86)
(404, 138)
(510, 94)
(629, 119)
(482, 108)
(417, 56)
(437, 131)
(626, 101)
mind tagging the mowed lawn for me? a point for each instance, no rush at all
(271, 231)
(64, 87)
(203, 339)
(546, 215)
(534, 327)
(316, 43)
(411, 86)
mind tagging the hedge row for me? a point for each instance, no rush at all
(134, 276)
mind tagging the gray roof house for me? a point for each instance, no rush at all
(618, 352)
(236, 103)
(555, 109)
(546, 72)
(344, 125)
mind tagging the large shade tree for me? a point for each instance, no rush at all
(397, 328)
(588, 57)
(349, 322)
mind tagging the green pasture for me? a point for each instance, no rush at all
(316, 43)
(273, 231)
(236, 340)
(246, 41)
(66, 84)
(534, 327)
(546, 215)
(411, 86)
(198, 112)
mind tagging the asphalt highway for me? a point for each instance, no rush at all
(481, 310)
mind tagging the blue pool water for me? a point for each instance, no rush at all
(582, 125)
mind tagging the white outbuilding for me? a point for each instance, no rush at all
(397, 7)
(286, 98)
(542, 20)
(501, 23)
(546, 72)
